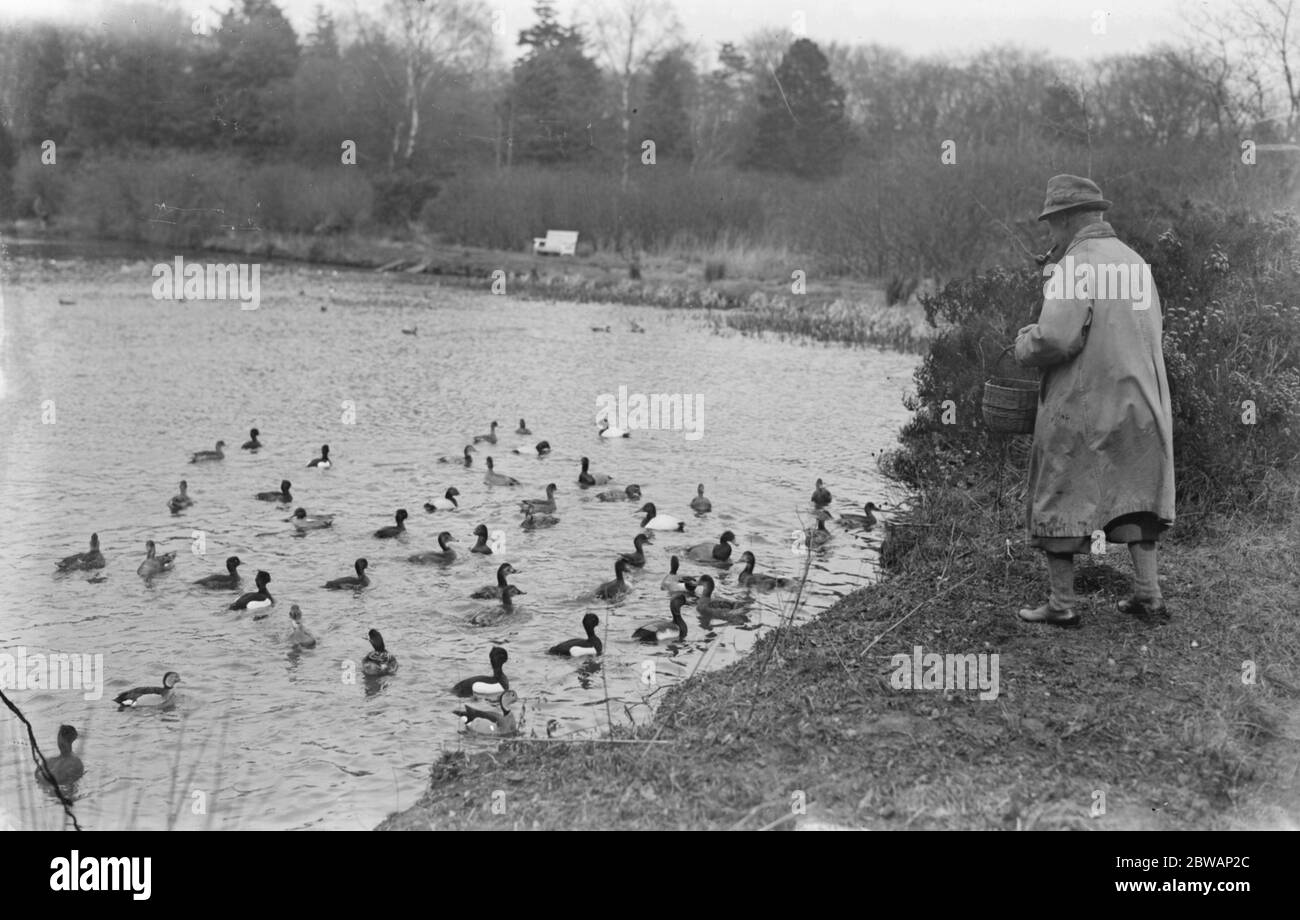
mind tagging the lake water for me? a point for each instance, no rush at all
(106, 395)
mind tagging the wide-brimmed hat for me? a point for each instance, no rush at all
(1067, 192)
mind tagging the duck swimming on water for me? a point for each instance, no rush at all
(586, 478)
(575, 648)
(148, 696)
(466, 461)
(443, 553)
(535, 521)
(542, 449)
(300, 636)
(636, 559)
(760, 581)
(541, 505)
(154, 564)
(522, 429)
(612, 590)
(378, 661)
(499, 589)
(490, 437)
(653, 520)
(481, 546)
(181, 500)
(446, 503)
(92, 559)
(608, 431)
(302, 521)
(394, 530)
(252, 443)
(223, 580)
(66, 768)
(677, 584)
(323, 461)
(489, 685)
(821, 495)
(359, 580)
(202, 455)
(865, 521)
(283, 496)
(718, 553)
(665, 630)
(258, 602)
(493, 478)
(699, 503)
(487, 722)
(631, 494)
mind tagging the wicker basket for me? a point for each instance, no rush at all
(1010, 404)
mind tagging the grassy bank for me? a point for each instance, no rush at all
(1155, 718)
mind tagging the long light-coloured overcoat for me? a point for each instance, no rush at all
(1103, 437)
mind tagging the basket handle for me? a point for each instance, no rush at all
(983, 366)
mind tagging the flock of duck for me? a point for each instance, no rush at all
(538, 513)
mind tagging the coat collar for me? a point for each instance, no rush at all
(1094, 231)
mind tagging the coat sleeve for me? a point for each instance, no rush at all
(1057, 336)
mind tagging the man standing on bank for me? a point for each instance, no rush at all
(1103, 452)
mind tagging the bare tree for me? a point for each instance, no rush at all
(1259, 40)
(627, 34)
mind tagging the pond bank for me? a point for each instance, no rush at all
(1117, 725)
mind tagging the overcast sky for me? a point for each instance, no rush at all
(1059, 27)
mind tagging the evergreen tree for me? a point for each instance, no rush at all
(801, 123)
(666, 113)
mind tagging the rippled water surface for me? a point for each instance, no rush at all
(106, 394)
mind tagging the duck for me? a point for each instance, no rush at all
(303, 521)
(601, 329)
(677, 584)
(181, 500)
(443, 553)
(865, 521)
(819, 535)
(611, 590)
(718, 607)
(540, 505)
(486, 685)
(323, 461)
(223, 580)
(523, 428)
(446, 503)
(631, 494)
(154, 564)
(487, 722)
(493, 478)
(608, 431)
(148, 696)
(541, 449)
(91, 559)
(202, 455)
(252, 443)
(575, 648)
(258, 602)
(378, 661)
(494, 615)
(636, 327)
(636, 559)
(414, 330)
(719, 552)
(466, 461)
(359, 580)
(300, 636)
(534, 521)
(393, 530)
(498, 589)
(481, 546)
(65, 769)
(665, 630)
(283, 496)
(699, 502)
(761, 581)
(821, 495)
(653, 520)
(489, 438)
(586, 478)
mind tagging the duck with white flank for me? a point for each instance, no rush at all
(223, 581)
(653, 520)
(719, 607)
(154, 564)
(497, 590)
(821, 495)
(487, 685)
(443, 553)
(586, 478)
(65, 769)
(300, 636)
(612, 590)
(487, 722)
(503, 611)
(631, 494)
(283, 496)
(760, 581)
(493, 478)
(393, 530)
(148, 696)
(489, 438)
(665, 630)
(636, 559)
(359, 580)
(523, 428)
(540, 505)
(446, 503)
(252, 443)
(718, 553)
(301, 520)
(91, 559)
(677, 584)
(699, 503)
(202, 455)
(865, 521)
(608, 431)
(467, 460)
(481, 545)
(323, 461)
(575, 648)
(257, 602)
(379, 660)
(534, 521)
(182, 499)
(542, 449)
